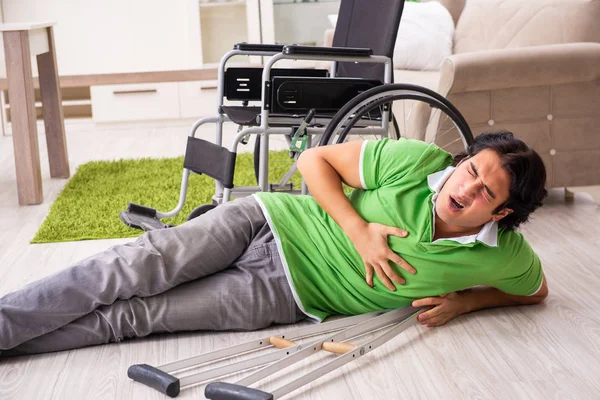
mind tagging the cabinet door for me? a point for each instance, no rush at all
(135, 102)
(197, 99)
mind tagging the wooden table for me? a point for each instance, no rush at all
(21, 42)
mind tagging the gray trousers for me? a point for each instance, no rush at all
(220, 271)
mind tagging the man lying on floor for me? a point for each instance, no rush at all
(278, 258)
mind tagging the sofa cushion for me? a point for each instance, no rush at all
(425, 36)
(501, 24)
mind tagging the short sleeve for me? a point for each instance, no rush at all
(523, 276)
(386, 162)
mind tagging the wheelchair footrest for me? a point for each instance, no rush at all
(141, 217)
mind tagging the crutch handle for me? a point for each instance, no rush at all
(281, 343)
(155, 378)
(338, 347)
(230, 391)
(332, 347)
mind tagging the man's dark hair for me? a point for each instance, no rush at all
(525, 167)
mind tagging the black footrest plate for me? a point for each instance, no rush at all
(140, 217)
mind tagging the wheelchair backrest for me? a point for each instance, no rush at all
(368, 24)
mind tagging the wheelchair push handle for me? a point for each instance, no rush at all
(230, 391)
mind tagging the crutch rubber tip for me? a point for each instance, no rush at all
(155, 378)
(230, 391)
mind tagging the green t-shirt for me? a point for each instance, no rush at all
(327, 274)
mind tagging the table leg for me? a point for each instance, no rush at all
(53, 111)
(22, 110)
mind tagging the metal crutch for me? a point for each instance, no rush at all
(403, 318)
(162, 379)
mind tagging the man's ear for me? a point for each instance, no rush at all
(501, 214)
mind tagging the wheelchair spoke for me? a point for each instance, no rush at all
(452, 142)
(438, 136)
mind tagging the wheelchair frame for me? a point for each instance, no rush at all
(146, 218)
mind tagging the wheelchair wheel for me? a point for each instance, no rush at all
(198, 211)
(422, 114)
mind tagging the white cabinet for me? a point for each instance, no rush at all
(135, 102)
(151, 101)
(197, 99)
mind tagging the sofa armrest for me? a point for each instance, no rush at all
(520, 67)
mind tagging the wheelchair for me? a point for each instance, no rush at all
(355, 100)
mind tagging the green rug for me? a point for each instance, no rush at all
(88, 207)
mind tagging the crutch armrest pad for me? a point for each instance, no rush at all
(274, 48)
(328, 51)
(230, 391)
(155, 378)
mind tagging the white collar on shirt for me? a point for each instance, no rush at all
(489, 232)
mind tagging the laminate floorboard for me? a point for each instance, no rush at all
(546, 351)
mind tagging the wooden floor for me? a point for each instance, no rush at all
(548, 351)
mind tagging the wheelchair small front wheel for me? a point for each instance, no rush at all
(198, 211)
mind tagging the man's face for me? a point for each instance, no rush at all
(476, 188)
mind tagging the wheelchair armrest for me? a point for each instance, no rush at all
(275, 48)
(327, 51)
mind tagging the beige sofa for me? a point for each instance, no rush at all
(532, 67)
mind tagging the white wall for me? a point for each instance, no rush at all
(111, 36)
